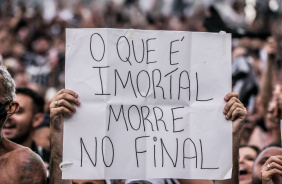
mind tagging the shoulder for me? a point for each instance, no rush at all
(29, 166)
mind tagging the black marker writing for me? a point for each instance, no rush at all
(198, 90)
(202, 158)
(158, 83)
(121, 111)
(91, 47)
(136, 150)
(142, 81)
(173, 119)
(172, 52)
(190, 157)
(129, 78)
(142, 52)
(101, 81)
(127, 57)
(164, 148)
(113, 151)
(129, 119)
(81, 153)
(147, 44)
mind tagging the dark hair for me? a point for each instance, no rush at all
(42, 35)
(37, 100)
(140, 182)
(256, 149)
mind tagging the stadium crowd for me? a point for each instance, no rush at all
(32, 47)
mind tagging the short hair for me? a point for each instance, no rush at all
(37, 100)
(8, 83)
(255, 148)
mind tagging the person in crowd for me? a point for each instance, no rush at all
(247, 156)
(42, 133)
(263, 128)
(271, 134)
(64, 102)
(36, 62)
(18, 164)
(268, 166)
(20, 127)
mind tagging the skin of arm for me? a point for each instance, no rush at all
(65, 98)
(66, 102)
(234, 110)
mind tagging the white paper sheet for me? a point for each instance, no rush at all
(151, 104)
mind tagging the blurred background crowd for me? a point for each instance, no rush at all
(32, 46)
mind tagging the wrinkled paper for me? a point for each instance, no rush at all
(151, 104)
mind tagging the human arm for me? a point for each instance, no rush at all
(234, 110)
(273, 174)
(65, 100)
(268, 75)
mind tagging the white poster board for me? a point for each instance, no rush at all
(151, 104)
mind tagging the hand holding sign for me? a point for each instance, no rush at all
(61, 105)
(235, 110)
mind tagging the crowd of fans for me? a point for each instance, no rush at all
(32, 47)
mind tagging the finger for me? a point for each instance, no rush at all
(66, 104)
(68, 92)
(229, 104)
(232, 108)
(238, 112)
(230, 95)
(60, 111)
(270, 173)
(274, 165)
(62, 92)
(64, 96)
(69, 97)
(277, 159)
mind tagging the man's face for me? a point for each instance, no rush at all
(261, 159)
(18, 127)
